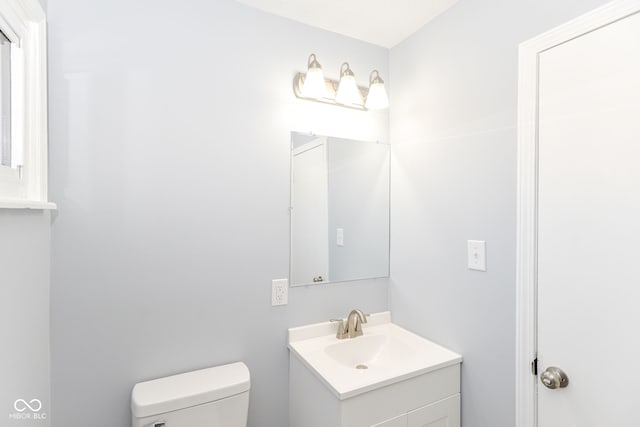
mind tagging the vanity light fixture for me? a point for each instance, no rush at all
(345, 92)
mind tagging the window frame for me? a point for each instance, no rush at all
(24, 23)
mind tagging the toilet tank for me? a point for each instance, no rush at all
(213, 397)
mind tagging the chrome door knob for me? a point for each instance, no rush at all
(554, 378)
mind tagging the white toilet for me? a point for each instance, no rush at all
(213, 397)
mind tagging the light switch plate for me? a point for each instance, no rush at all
(340, 236)
(279, 292)
(477, 255)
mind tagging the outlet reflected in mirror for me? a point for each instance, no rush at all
(339, 209)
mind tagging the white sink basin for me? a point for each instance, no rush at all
(383, 355)
(370, 351)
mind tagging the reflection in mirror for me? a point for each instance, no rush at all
(339, 209)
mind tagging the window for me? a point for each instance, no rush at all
(23, 105)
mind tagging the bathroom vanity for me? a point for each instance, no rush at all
(388, 377)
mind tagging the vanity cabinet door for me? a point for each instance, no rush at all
(445, 413)
(400, 421)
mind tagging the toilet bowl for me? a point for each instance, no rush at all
(213, 397)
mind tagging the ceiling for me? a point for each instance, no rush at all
(381, 22)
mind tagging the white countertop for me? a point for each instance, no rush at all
(391, 354)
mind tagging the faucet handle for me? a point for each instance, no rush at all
(341, 332)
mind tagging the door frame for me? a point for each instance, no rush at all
(527, 199)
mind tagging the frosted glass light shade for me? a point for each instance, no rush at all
(314, 85)
(348, 92)
(377, 98)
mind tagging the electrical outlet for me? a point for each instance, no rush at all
(279, 292)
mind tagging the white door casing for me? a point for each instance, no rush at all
(585, 72)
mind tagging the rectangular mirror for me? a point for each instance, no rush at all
(339, 209)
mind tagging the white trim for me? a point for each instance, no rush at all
(36, 153)
(526, 309)
(25, 20)
(26, 204)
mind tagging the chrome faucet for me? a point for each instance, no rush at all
(353, 328)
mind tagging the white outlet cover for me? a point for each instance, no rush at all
(477, 255)
(279, 292)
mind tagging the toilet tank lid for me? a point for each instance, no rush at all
(189, 389)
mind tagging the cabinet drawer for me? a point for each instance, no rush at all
(444, 413)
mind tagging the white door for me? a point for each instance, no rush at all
(589, 227)
(310, 213)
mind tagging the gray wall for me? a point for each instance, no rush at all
(24, 317)
(453, 130)
(170, 132)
